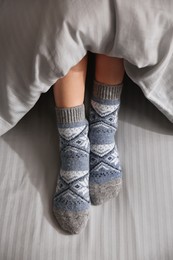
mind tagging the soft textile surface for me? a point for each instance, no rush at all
(40, 40)
(135, 226)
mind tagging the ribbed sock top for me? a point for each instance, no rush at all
(106, 91)
(70, 114)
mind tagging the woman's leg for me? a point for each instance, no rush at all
(71, 200)
(105, 169)
(69, 90)
(109, 70)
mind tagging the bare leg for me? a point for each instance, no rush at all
(109, 70)
(69, 90)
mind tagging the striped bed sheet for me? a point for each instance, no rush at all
(137, 225)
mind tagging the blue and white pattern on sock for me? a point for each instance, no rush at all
(71, 200)
(105, 169)
(72, 187)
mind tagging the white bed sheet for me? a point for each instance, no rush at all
(135, 226)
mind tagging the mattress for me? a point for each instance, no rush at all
(137, 225)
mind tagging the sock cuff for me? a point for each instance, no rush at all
(70, 114)
(106, 91)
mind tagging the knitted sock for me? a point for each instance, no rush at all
(105, 171)
(71, 200)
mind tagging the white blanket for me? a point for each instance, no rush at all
(41, 40)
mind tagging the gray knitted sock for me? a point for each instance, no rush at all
(105, 170)
(71, 200)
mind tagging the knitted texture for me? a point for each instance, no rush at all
(105, 170)
(71, 200)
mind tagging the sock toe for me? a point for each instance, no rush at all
(100, 193)
(72, 222)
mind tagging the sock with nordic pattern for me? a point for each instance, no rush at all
(71, 200)
(105, 171)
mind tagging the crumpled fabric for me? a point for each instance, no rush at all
(40, 40)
